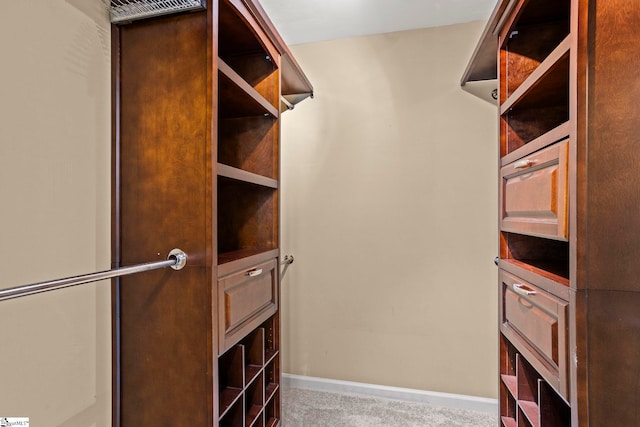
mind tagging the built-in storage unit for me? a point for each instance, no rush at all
(197, 103)
(569, 247)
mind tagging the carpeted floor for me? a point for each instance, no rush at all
(306, 408)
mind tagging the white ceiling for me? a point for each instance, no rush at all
(305, 21)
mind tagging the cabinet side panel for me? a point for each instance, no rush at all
(166, 373)
(164, 137)
(613, 147)
(165, 167)
(612, 359)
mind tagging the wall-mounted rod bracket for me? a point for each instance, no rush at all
(288, 259)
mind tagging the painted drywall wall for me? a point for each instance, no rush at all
(389, 190)
(55, 143)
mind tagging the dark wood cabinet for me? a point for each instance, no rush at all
(197, 103)
(569, 246)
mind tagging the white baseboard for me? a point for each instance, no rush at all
(446, 400)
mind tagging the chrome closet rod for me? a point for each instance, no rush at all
(177, 259)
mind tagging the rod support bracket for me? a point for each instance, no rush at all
(180, 257)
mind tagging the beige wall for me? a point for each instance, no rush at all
(55, 354)
(389, 207)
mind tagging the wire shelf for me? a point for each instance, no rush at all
(129, 10)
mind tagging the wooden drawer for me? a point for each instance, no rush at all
(246, 298)
(533, 194)
(536, 324)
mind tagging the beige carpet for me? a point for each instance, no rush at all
(306, 408)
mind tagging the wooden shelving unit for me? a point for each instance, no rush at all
(534, 111)
(568, 266)
(196, 109)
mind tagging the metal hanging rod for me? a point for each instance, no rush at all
(177, 259)
(287, 261)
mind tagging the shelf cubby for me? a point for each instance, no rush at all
(537, 109)
(510, 383)
(246, 48)
(235, 417)
(546, 257)
(249, 143)
(272, 379)
(247, 216)
(554, 411)
(254, 398)
(272, 412)
(259, 73)
(238, 98)
(271, 345)
(526, 382)
(254, 354)
(231, 378)
(539, 28)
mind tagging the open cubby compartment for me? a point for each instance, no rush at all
(508, 383)
(271, 339)
(554, 411)
(527, 393)
(250, 143)
(231, 378)
(539, 28)
(508, 405)
(254, 354)
(537, 109)
(247, 217)
(247, 50)
(238, 99)
(272, 378)
(254, 400)
(235, 416)
(526, 381)
(546, 257)
(272, 411)
(508, 370)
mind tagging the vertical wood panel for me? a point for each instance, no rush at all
(166, 163)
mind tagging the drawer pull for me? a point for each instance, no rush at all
(254, 273)
(523, 290)
(522, 164)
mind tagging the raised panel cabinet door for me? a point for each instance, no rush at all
(533, 194)
(536, 323)
(247, 298)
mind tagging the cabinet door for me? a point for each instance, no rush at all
(533, 194)
(535, 322)
(246, 299)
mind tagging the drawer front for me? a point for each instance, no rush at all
(533, 194)
(246, 299)
(535, 319)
